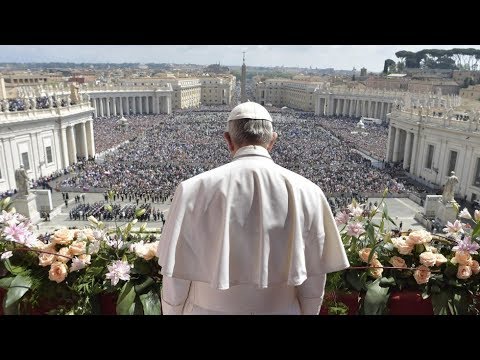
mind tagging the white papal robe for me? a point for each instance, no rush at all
(249, 237)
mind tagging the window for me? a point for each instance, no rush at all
(25, 161)
(429, 157)
(48, 150)
(476, 179)
(452, 162)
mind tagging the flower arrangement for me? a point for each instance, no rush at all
(442, 267)
(69, 270)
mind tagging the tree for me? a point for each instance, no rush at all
(410, 58)
(387, 67)
(400, 66)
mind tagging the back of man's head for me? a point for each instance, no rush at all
(250, 124)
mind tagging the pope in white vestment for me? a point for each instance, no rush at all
(249, 237)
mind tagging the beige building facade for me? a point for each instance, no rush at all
(44, 140)
(295, 94)
(430, 147)
(472, 92)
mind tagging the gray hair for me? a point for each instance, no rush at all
(250, 131)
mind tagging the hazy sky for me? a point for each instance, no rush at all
(340, 57)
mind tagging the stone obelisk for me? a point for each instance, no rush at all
(243, 95)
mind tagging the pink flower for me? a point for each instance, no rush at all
(428, 258)
(419, 237)
(464, 272)
(453, 229)
(19, 234)
(464, 214)
(397, 261)
(402, 246)
(440, 259)
(119, 270)
(475, 267)
(341, 218)
(376, 269)
(422, 274)
(355, 229)
(365, 253)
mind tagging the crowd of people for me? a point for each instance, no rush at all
(164, 150)
(372, 139)
(120, 212)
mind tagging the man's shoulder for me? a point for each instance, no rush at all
(216, 173)
(298, 180)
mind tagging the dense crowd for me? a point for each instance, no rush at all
(372, 139)
(166, 149)
(120, 212)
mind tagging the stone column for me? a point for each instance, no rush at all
(107, 99)
(72, 148)
(382, 108)
(413, 161)
(156, 109)
(391, 134)
(9, 166)
(90, 139)
(114, 100)
(101, 106)
(94, 105)
(396, 144)
(169, 104)
(134, 104)
(147, 107)
(466, 172)
(63, 134)
(83, 140)
(121, 105)
(140, 107)
(407, 151)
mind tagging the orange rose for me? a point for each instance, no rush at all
(475, 267)
(397, 261)
(464, 272)
(58, 272)
(365, 253)
(63, 237)
(422, 274)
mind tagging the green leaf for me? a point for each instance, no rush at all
(13, 268)
(376, 298)
(387, 282)
(439, 303)
(371, 237)
(461, 302)
(18, 287)
(141, 266)
(476, 230)
(353, 278)
(10, 310)
(126, 299)
(5, 282)
(151, 303)
(143, 287)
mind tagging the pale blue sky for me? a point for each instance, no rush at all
(340, 57)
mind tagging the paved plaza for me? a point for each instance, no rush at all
(399, 209)
(63, 218)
